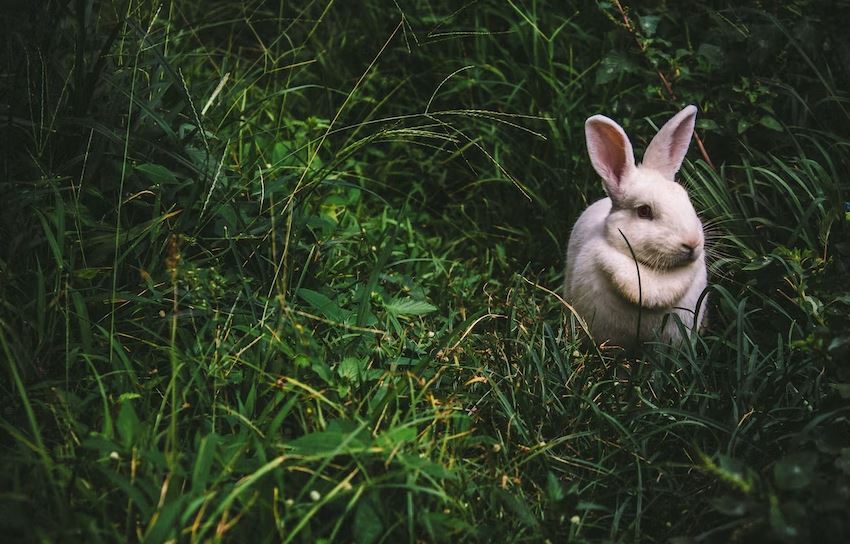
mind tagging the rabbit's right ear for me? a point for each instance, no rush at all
(610, 153)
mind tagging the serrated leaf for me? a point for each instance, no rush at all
(409, 306)
(351, 368)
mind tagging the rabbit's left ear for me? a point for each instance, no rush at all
(667, 150)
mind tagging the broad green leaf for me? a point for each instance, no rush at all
(368, 526)
(396, 436)
(649, 23)
(611, 67)
(707, 124)
(164, 527)
(325, 306)
(795, 471)
(203, 461)
(554, 489)
(771, 123)
(712, 53)
(351, 368)
(324, 442)
(157, 173)
(842, 388)
(435, 470)
(128, 424)
(730, 506)
(843, 463)
(518, 506)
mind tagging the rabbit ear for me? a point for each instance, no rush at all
(610, 153)
(667, 150)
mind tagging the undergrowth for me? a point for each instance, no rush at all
(288, 272)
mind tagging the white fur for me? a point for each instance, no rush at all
(601, 278)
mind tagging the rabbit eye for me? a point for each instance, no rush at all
(644, 212)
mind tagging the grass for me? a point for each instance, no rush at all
(289, 273)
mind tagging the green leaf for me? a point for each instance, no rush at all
(432, 469)
(203, 461)
(118, 481)
(554, 489)
(770, 122)
(842, 388)
(89, 273)
(128, 424)
(708, 124)
(518, 507)
(780, 524)
(351, 368)
(838, 343)
(730, 506)
(649, 23)
(325, 442)
(317, 300)
(612, 67)
(712, 53)
(157, 173)
(795, 471)
(165, 526)
(325, 306)
(843, 463)
(409, 306)
(368, 526)
(396, 436)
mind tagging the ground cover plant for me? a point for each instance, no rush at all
(288, 272)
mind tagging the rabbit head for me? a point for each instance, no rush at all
(648, 207)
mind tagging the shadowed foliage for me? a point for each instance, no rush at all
(279, 271)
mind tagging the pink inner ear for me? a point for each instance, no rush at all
(679, 142)
(610, 153)
(613, 154)
(667, 149)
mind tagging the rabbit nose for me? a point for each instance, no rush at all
(688, 250)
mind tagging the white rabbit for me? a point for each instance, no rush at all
(655, 215)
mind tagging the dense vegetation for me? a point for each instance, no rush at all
(288, 272)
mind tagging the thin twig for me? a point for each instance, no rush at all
(630, 27)
(640, 291)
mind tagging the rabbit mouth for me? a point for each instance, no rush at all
(667, 261)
